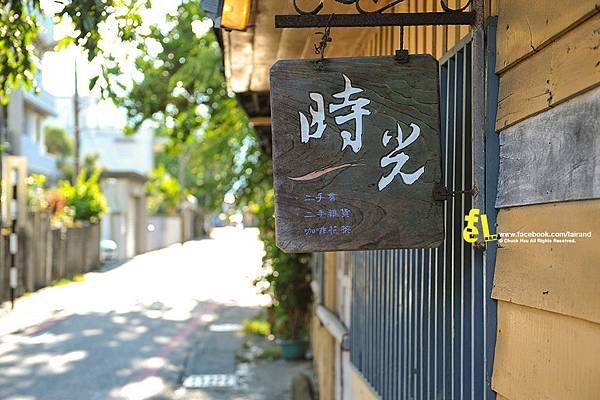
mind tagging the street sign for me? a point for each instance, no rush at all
(356, 152)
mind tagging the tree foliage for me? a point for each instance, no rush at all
(58, 142)
(163, 192)
(18, 30)
(20, 26)
(184, 92)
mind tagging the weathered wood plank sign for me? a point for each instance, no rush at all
(356, 152)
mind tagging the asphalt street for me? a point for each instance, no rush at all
(141, 329)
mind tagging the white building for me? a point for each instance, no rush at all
(28, 113)
(127, 161)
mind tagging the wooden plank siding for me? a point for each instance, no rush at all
(525, 27)
(567, 66)
(553, 156)
(548, 62)
(541, 355)
(361, 390)
(563, 277)
(322, 342)
(435, 40)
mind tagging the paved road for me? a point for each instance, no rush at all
(139, 330)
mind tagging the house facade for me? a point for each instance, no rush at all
(27, 113)
(520, 108)
(123, 184)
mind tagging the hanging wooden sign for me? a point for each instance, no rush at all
(356, 152)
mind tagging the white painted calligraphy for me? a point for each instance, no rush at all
(358, 111)
(399, 159)
(318, 119)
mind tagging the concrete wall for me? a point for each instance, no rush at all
(165, 230)
(127, 220)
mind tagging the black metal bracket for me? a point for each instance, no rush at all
(401, 56)
(441, 192)
(376, 19)
(369, 18)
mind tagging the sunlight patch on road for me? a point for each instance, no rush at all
(208, 318)
(63, 363)
(144, 389)
(91, 332)
(154, 363)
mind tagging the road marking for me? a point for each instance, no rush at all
(209, 381)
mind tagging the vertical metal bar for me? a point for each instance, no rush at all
(384, 320)
(469, 281)
(464, 248)
(448, 241)
(406, 324)
(400, 376)
(478, 116)
(395, 264)
(492, 161)
(441, 252)
(370, 354)
(431, 315)
(392, 266)
(421, 266)
(368, 323)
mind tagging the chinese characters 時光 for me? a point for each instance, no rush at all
(352, 107)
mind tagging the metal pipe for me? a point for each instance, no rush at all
(334, 326)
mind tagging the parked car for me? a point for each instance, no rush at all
(108, 250)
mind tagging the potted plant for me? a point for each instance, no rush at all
(292, 296)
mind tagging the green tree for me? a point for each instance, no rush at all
(163, 192)
(58, 142)
(185, 93)
(19, 27)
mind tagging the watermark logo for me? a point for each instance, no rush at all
(476, 221)
(471, 232)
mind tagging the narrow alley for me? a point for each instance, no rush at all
(166, 324)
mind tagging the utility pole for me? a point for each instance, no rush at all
(76, 129)
(3, 129)
(182, 195)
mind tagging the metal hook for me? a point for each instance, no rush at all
(401, 54)
(325, 40)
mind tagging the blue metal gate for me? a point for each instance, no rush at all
(423, 324)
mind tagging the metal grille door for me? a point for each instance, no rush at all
(420, 325)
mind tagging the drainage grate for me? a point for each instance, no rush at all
(209, 381)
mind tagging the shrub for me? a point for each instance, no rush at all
(287, 279)
(36, 193)
(85, 198)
